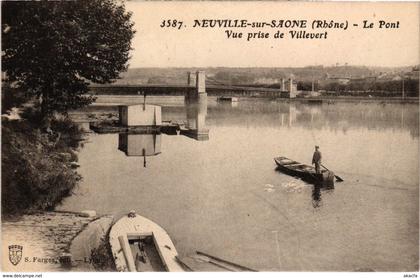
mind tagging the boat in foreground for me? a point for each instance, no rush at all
(306, 172)
(139, 244)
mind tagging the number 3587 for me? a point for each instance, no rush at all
(172, 23)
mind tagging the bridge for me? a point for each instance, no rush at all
(197, 84)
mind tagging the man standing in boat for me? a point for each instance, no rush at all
(316, 159)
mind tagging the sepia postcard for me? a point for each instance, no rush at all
(210, 136)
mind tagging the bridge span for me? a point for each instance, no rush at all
(196, 84)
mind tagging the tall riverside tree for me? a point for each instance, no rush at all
(52, 49)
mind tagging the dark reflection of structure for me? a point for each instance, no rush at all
(339, 116)
(140, 144)
(287, 115)
(227, 104)
(316, 194)
(196, 119)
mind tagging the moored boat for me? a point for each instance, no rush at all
(230, 99)
(139, 244)
(306, 172)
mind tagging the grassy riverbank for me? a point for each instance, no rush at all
(39, 170)
(37, 164)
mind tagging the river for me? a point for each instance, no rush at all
(222, 194)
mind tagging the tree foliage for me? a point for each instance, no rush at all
(52, 49)
(377, 88)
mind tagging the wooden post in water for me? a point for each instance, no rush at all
(313, 85)
(290, 85)
(144, 100)
(402, 92)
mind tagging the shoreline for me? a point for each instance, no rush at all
(109, 99)
(57, 240)
(30, 222)
(45, 237)
(67, 233)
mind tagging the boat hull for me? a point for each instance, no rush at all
(305, 172)
(131, 237)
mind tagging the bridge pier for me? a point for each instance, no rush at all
(288, 88)
(196, 119)
(199, 82)
(191, 78)
(140, 115)
(292, 88)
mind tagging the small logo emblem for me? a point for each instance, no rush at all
(15, 253)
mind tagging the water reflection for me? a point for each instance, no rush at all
(140, 144)
(316, 194)
(287, 115)
(227, 104)
(195, 127)
(149, 144)
(244, 141)
(336, 116)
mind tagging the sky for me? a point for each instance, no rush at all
(209, 47)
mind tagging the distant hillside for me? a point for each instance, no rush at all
(237, 76)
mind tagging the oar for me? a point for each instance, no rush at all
(337, 177)
(183, 264)
(213, 259)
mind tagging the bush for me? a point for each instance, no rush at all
(36, 172)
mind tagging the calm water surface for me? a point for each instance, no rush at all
(223, 195)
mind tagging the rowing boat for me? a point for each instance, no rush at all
(140, 245)
(306, 172)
